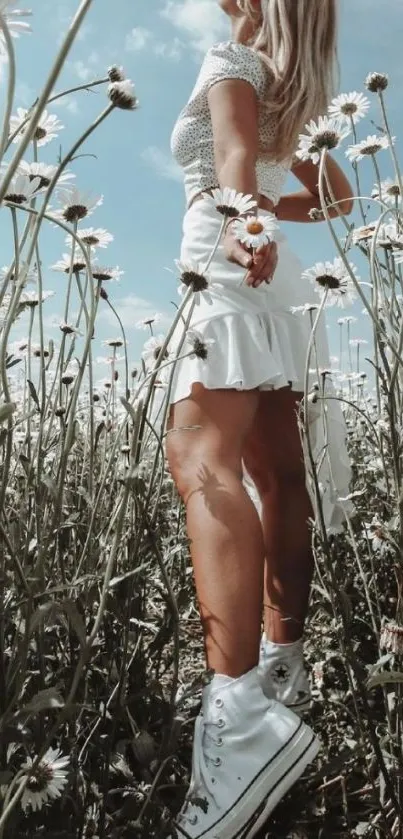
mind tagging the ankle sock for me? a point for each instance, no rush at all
(271, 646)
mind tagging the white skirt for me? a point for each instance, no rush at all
(259, 343)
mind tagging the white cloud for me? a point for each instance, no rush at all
(132, 309)
(172, 50)
(83, 72)
(201, 20)
(137, 39)
(162, 163)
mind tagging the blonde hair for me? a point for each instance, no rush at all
(297, 40)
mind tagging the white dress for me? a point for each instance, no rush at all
(258, 342)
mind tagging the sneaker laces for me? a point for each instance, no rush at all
(201, 781)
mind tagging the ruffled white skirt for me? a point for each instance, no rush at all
(258, 342)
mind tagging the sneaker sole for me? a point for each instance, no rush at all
(302, 751)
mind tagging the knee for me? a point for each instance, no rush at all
(195, 460)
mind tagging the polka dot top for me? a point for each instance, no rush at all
(192, 136)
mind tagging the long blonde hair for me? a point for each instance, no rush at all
(297, 40)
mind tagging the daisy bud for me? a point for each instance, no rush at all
(60, 412)
(116, 74)
(376, 82)
(122, 95)
(103, 293)
(95, 397)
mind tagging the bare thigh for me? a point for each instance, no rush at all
(210, 426)
(272, 450)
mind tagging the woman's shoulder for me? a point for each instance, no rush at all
(236, 58)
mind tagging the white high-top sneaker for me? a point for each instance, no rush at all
(247, 753)
(283, 676)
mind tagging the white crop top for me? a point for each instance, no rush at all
(192, 136)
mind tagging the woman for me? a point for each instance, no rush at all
(236, 410)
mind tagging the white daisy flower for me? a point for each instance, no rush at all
(193, 276)
(327, 133)
(114, 342)
(48, 128)
(152, 349)
(372, 145)
(116, 74)
(392, 638)
(199, 343)
(18, 347)
(103, 274)
(363, 234)
(69, 375)
(122, 95)
(65, 266)
(389, 193)
(94, 237)
(47, 781)
(306, 307)
(31, 298)
(68, 329)
(21, 189)
(376, 82)
(30, 275)
(45, 173)
(148, 321)
(349, 106)
(333, 278)
(231, 203)
(76, 205)
(255, 230)
(357, 342)
(16, 26)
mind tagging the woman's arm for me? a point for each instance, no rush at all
(234, 115)
(296, 206)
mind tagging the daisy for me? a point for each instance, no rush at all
(21, 189)
(392, 638)
(199, 344)
(372, 145)
(307, 307)
(103, 274)
(327, 133)
(94, 237)
(15, 26)
(46, 782)
(30, 275)
(231, 203)
(64, 264)
(47, 129)
(114, 342)
(116, 74)
(192, 276)
(347, 319)
(152, 349)
(389, 193)
(76, 206)
(333, 278)
(148, 321)
(255, 231)
(67, 329)
(362, 234)
(349, 106)
(31, 298)
(122, 95)
(45, 173)
(376, 82)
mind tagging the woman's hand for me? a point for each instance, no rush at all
(261, 263)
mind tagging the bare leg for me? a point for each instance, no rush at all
(273, 457)
(289, 562)
(226, 535)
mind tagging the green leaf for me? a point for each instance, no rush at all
(98, 433)
(6, 410)
(51, 610)
(392, 677)
(33, 393)
(45, 700)
(50, 485)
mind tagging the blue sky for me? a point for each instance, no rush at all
(160, 43)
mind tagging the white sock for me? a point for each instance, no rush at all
(271, 645)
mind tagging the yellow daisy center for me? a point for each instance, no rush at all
(255, 227)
